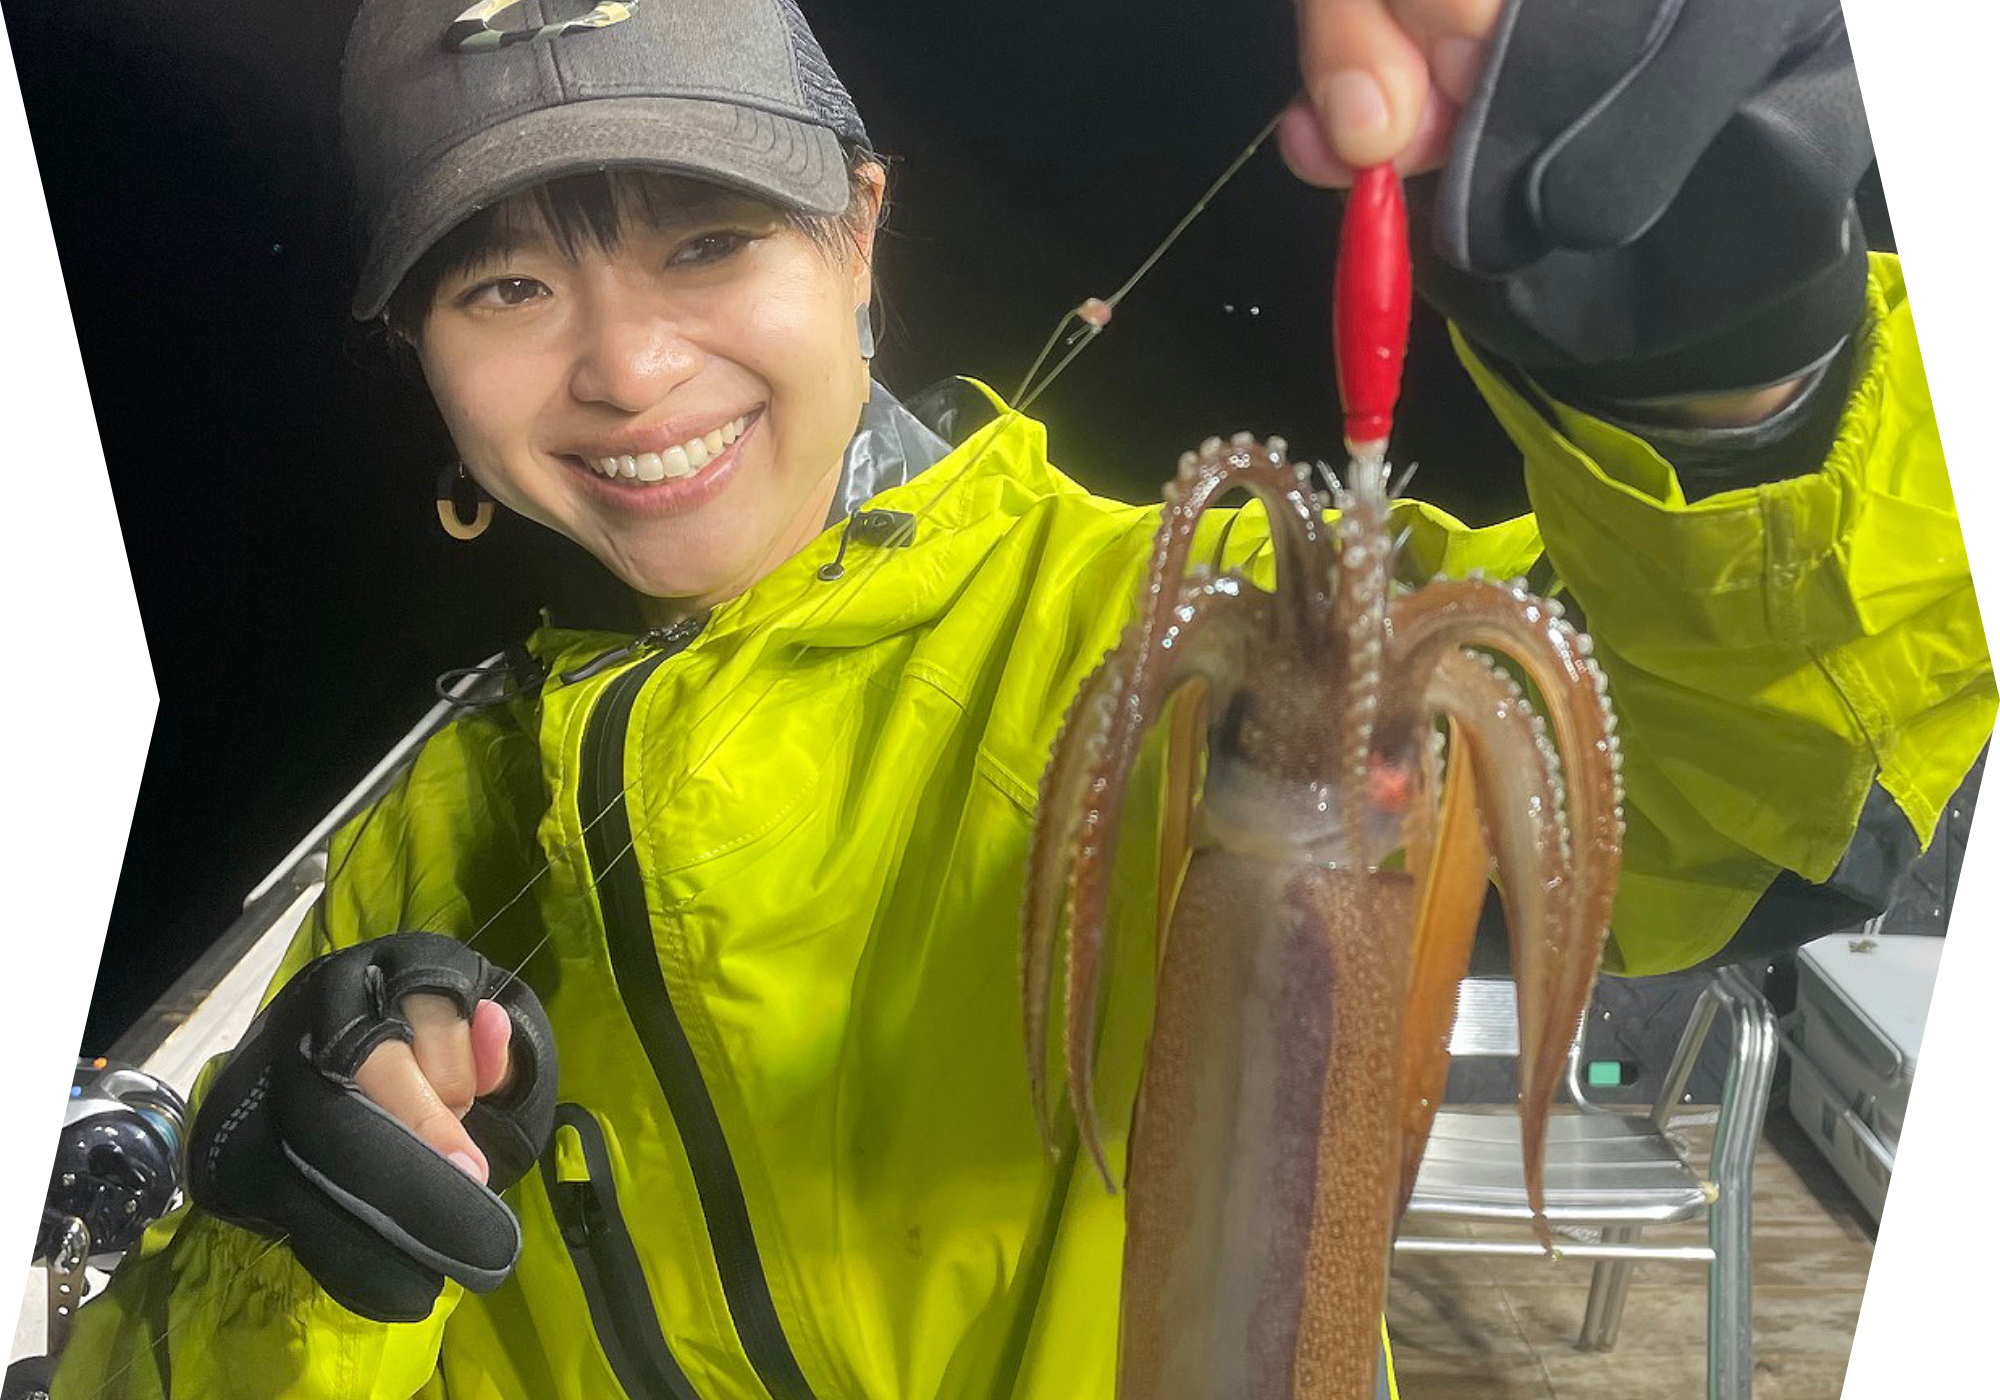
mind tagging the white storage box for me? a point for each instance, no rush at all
(1854, 1038)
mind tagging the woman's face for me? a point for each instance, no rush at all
(678, 405)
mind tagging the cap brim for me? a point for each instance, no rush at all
(790, 162)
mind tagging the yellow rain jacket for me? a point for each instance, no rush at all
(777, 918)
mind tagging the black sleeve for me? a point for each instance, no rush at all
(1881, 875)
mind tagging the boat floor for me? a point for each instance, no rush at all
(1467, 1327)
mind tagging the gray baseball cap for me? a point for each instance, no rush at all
(448, 109)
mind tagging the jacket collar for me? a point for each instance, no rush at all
(898, 441)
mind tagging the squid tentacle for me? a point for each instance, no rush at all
(1200, 647)
(1298, 530)
(1096, 767)
(1065, 789)
(1552, 972)
(1503, 748)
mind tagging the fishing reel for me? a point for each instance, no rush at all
(117, 1170)
(117, 1166)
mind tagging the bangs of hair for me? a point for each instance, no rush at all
(590, 213)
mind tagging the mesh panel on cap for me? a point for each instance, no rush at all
(823, 91)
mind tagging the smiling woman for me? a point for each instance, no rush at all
(661, 370)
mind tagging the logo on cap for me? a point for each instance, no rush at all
(474, 31)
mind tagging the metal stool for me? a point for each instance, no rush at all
(1615, 1172)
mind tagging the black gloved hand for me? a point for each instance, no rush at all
(1652, 200)
(285, 1144)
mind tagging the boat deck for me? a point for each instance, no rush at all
(1466, 1327)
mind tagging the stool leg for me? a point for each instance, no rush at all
(1608, 1283)
(1729, 1338)
(1615, 1289)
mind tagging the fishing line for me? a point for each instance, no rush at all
(1095, 313)
(547, 865)
(1023, 399)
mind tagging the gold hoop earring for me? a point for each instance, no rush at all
(459, 497)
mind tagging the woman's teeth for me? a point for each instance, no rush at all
(683, 460)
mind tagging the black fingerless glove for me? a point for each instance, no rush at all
(284, 1143)
(1655, 199)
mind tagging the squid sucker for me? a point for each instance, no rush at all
(1365, 763)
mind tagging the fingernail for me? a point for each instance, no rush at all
(1354, 102)
(470, 1165)
(1455, 63)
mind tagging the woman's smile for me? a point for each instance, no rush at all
(687, 474)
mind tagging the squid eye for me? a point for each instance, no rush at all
(1237, 722)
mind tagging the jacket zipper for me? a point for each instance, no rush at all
(607, 1266)
(672, 636)
(642, 987)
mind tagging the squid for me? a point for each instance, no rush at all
(1359, 760)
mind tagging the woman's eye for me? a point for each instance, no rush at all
(505, 291)
(708, 248)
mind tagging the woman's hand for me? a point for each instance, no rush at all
(1636, 203)
(369, 1115)
(430, 1084)
(1383, 79)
